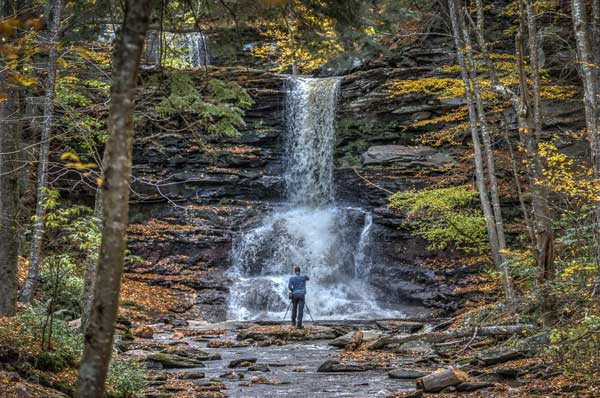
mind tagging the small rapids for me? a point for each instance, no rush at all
(331, 244)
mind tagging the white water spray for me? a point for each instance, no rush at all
(331, 244)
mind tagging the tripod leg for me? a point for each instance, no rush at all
(286, 311)
(309, 313)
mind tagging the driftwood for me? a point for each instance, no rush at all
(436, 337)
(437, 381)
(357, 339)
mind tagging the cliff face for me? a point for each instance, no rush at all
(195, 198)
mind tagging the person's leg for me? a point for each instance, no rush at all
(300, 311)
(294, 310)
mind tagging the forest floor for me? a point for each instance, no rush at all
(240, 359)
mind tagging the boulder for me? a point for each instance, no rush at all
(343, 341)
(232, 375)
(261, 367)
(406, 374)
(496, 356)
(400, 326)
(473, 386)
(190, 352)
(172, 361)
(190, 375)
(242, 363)
(404, 156)
(335, 366)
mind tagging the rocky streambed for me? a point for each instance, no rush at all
(392, 358)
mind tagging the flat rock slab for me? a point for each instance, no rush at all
(335, 366)
(493, 357)
(400, 326)
(242, 363)
(261, 333)
(172, 361)
(405, 156)
(407, 374)
(343, 341)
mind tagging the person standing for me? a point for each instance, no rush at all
(297, 286)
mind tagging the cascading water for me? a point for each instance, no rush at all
(191, 47)
(331, 244)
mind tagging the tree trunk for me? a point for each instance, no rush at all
(8, 206)
(91, 262)
(9, 185)
(55, 8)
(98, 337)
(488, 214)
(588, 67)
(502, 266)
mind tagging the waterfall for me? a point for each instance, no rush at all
(329, 243)
(190, 48)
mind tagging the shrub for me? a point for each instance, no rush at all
(58, 345)
(126, 379)
(575, 349)
(62, 284)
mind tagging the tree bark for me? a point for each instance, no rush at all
(9, 187)
(502, 266)
(98, 337)
(9, 184)
(588, 68)
(91, 263)
(490, 221)
(55, 7)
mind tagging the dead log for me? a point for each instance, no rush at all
(357, 339)
(438, 380)
(436, 337)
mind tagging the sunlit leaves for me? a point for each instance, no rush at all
(445, 217)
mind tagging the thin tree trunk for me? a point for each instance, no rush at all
(9, 185)
(98, 337)
(479, 172)
(91, 263)
(8, 207)
(35, 253)
(588, 67)
(491, 167)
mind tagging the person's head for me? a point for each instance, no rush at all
(297, 270)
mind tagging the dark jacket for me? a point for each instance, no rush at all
(297, 285)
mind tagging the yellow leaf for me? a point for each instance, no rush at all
(69, 156)
(99, 181)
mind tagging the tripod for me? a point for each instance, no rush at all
(307, 310)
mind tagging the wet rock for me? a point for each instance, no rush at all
(232, 375)
(260, 333)
(400, 326)
(496, 356)
(343, 341)
(241, 363)
(407, 394)
(192, 353)
(334, 366)
(415, 348)
(172, 361)
(473, 386)
(259, 368)
(190, 375)
(404, 156)
(143, 332)
(407, 374)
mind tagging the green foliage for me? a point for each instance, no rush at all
(575, 349)
(61, 281)
(219, 109)
(59, 344)
(444, 217)
(126, 379)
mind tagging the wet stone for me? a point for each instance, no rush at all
(406, 374)
(242, 363)
(334, 366)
